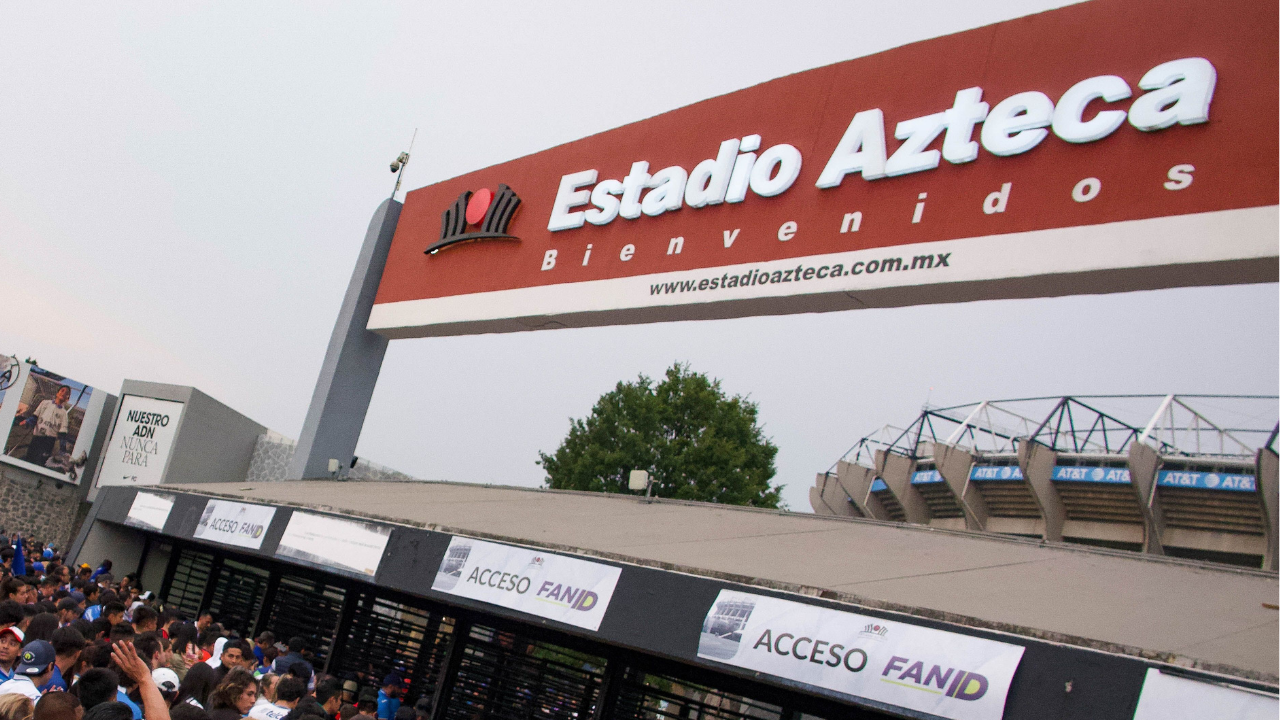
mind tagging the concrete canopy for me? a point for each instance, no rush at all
(1221, 619)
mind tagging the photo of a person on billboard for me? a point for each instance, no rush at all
(50, 412)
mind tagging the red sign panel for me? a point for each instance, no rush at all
(1113, 145)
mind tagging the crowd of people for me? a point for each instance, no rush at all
(78, 644)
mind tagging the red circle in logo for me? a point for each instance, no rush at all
(479, 205)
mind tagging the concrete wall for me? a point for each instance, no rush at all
(213, 442)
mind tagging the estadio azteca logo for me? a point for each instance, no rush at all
(1178, 92)
(479, 215)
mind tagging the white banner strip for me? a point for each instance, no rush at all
(1182, 239)
(932, 671)
(1169, 697)
(233, 523)
(150, 511)
(568, 590)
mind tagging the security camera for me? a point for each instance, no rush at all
(399, 162)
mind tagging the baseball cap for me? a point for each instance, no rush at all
(392, 679)
(36, 657)
(77, 596)
(166, 679)
(17, 632)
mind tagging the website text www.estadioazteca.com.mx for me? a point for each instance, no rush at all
(803, 272)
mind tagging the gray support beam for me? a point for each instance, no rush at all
(1268, 484)
(351, 363)
(837, 499)
(954, 465)
(1144, 463)
(895, 470)
(1037, 462)
(856, 481)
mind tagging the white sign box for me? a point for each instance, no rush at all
(1169, 697)
(140, 442)
(233, 523)
(149, 511)
(568, 590)
(932, 671)
(346, 546)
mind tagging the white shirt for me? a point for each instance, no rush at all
(20, 684)
(268, 712)
(51, 419)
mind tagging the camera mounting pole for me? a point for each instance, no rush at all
(401, 163)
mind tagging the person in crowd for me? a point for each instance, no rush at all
(185, 650)
(121, 631)
(367, 704)
(288, 691)
(389, 697)
(406, 713)
(267, 690)
(11, 639)
(11, 614)
(265, 641)
(92, 602)
(103, 569)
(268, 659)
(34, 669)
(197, 685)
(208, 643)
(187, 711)
(167, 681)
(231, 658)
(113, 612)
(97, 685)
(41, 627)
(138, 673)
(16, 707)
(169, 619)
(144, 619)
(100, 628)
(204, 620)
(329, 695)
(68, 611)
(151, 649)
(422, 708)
(234, 696)
(296, 645)
(58, 706)
(48, 586)
(67, 643)
(347, 711)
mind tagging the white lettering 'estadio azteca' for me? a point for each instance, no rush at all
(1179, 92)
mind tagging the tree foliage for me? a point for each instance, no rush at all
(696, 443)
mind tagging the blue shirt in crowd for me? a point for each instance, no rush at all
(387, 706)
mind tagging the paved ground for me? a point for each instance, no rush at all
(1207, 613)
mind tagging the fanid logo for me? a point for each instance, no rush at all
(479, 215)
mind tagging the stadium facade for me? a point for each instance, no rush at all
(1190, 476)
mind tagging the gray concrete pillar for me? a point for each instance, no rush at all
(856, 481)
(1268, 487)
(954, 465)
(837, 499)
(815, 495)
(1144, 464)
(1037, 462)
(351, 363)
(895, 470)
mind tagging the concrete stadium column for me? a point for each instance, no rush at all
(351, 363)
(1037, 462)
(856, 481)
(1268, 484)
(834, 496)
(815, 495)
(954, 465)
(895, 470)
(1144, 463)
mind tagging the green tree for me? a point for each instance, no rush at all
(696, 443)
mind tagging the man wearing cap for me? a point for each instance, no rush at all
(10, 647)
(389, 697)
(35, 669)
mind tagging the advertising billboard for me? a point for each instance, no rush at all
(50, 420)
(1107, 146)
(141, 441)
(346, 546)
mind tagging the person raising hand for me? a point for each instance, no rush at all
(126, 658)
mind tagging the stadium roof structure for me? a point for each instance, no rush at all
(1212, 617)
(1185, 475)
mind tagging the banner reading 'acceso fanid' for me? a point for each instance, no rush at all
(1107, 146)
(940, 673)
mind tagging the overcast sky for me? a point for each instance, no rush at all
(184, 189)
